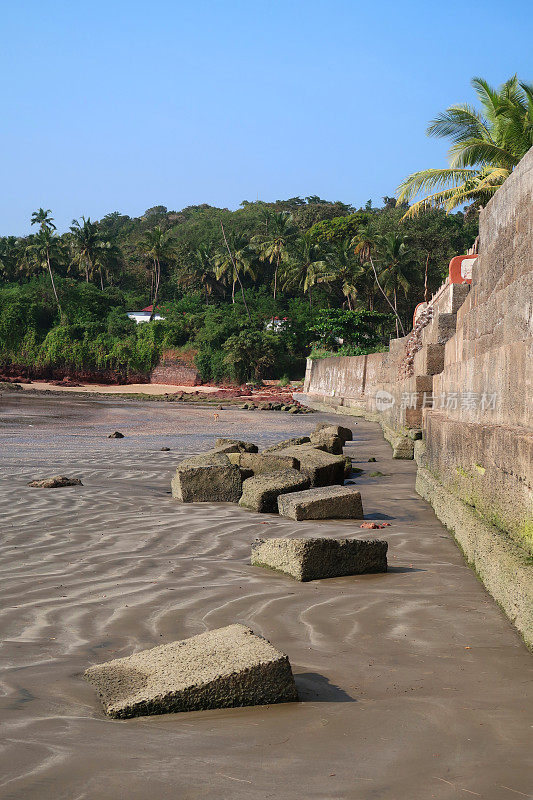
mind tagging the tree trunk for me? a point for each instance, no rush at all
(53, 283)
(101, 279)
(309, 290)
(396, 312)
(157, 269)
(276, 276)
(236, 272)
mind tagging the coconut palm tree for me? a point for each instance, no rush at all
(348, 271)
(108, 261)
(234, 260)
(305, 266)
(274, 247)
(396, 269)
(86, 241)
(158, 246)
(45, 244)
(202, 270)
(486, 146)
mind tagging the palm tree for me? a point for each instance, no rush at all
(157, 245)
(348, 270)
(202, 270)
(395, 262)
(305, 267)
(11, 257)
(108, 259)
(85, 241)
(234, 260)
(275, 246)
(486, 146)
(45, 243)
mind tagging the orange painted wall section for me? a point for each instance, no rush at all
(461, 269)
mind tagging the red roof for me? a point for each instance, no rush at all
(148, 309)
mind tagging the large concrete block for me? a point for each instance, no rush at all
(261, 492)
(287, 443)
(326, 502)
(263, 462)
(312, 559)
(209, 477)
(222, 668)
(242, 447)
(334, 430)
(323, 469)
(328, 443)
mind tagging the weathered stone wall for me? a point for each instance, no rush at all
(176, 374)
(481, 448)
(176, 369)
(470, 391)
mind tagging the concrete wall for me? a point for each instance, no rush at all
(466, 381)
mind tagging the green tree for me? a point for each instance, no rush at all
(158, 246)
(274, 246)
(45, 244)
(86, 241)
(396, 269)
(305, 266)
(234, 260)
(486, 146)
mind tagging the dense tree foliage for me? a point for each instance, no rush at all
(246, 290)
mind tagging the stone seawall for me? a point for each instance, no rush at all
(467, 390)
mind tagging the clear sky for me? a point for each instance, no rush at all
(124, 105)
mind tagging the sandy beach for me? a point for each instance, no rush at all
(413, 684)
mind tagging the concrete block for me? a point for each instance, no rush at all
(209, 477)
(323, 469)
(313, 559)
(263, 462)
(222, 668)
(261, 492)
(287, 443)
(326, 502)
(334, 430)
(327, 443)
(242, 447)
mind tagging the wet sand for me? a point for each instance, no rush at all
(121, 388)
(413, 684)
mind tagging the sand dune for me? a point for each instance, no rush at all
(413, 684)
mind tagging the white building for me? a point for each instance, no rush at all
(144, 315)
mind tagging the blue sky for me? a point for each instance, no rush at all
(124, 105)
